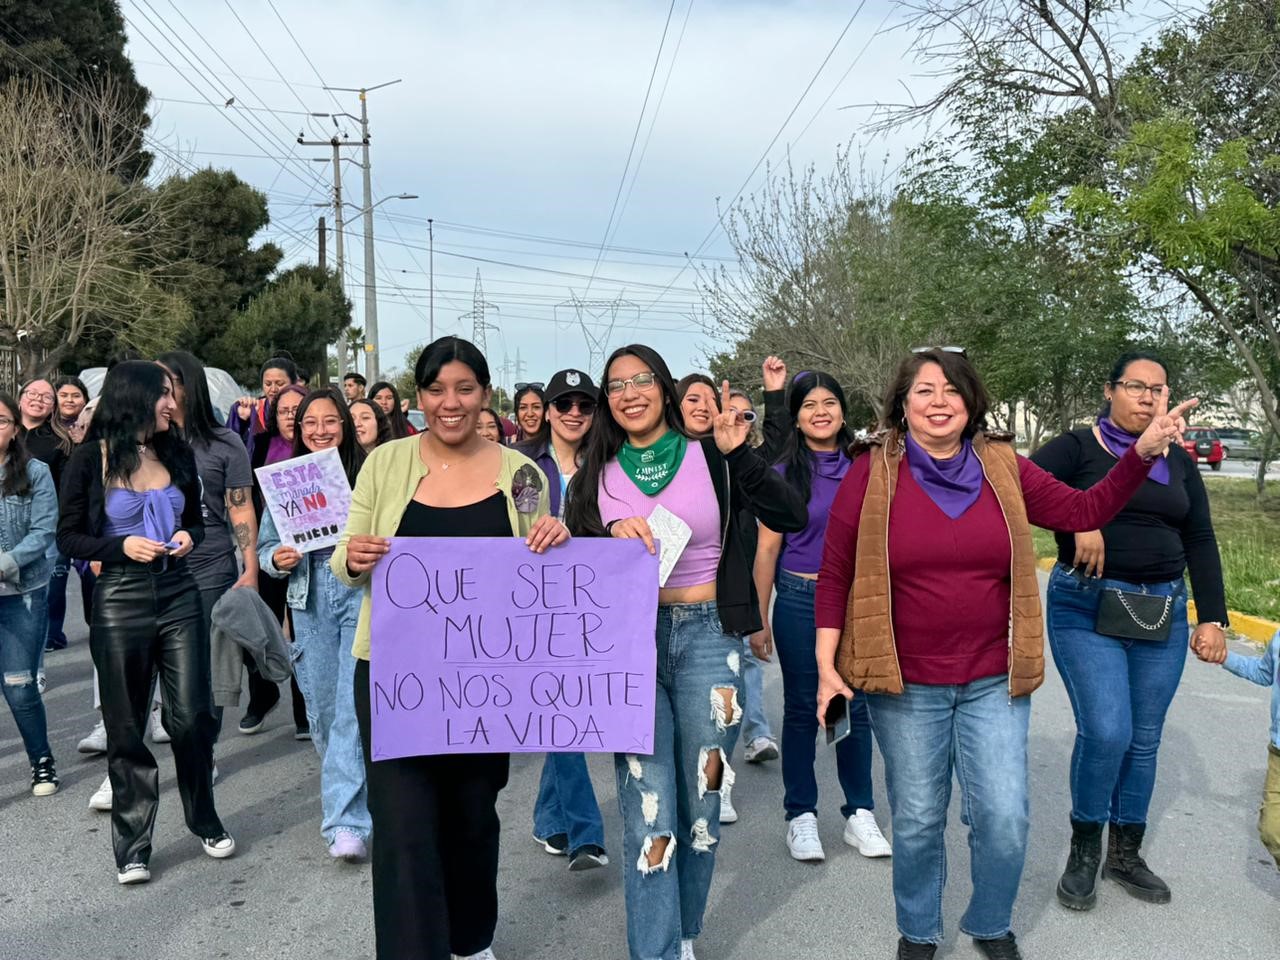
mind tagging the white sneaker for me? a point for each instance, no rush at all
(761, 749)
(42, 682)
(134, 873)
(101, 799)
(727, 812)
(802, 838)
(96, 741)
(219, 847)
(686, 950)
(863, 833)
(158, 733)
(485, 954)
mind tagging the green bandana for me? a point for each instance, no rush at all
(652, 468)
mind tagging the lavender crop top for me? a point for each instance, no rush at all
(154, 514)
(690, 496)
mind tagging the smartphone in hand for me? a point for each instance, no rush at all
(837, 720)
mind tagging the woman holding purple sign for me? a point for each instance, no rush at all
(640, 469)
(435, 838)
(324, 626)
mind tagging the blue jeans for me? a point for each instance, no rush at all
(795, 637)
(978, 731)
(22, 632)
(62, 568)
(669, 796)
(567, 803)
(322, 662)
(1120, 691)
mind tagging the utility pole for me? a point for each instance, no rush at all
(479, 325)
(431, 284)
(322, 375)
(372, 364)
(339, 228)
(320, 239)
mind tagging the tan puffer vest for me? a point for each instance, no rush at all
(867, 656)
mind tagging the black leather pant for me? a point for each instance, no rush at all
(147, 621)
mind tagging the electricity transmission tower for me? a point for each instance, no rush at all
(597, 318)
(479, 324)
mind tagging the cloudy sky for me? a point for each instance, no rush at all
(512, 123)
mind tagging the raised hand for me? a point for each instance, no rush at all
(728, 427)
(1165, 427)
(244, 407)
(774, 372)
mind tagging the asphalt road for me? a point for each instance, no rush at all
(281, 898)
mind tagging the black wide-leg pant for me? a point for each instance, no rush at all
(435, 846)
(147, 620)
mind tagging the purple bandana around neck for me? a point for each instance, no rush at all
(954, 485)
(1118, 442)
(279, 449)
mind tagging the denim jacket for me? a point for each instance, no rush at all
(27, 527)
(299, 577)
(1264, 671)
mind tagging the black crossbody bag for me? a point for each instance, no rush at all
(1134, 616)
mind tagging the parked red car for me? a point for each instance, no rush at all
(1205, 446)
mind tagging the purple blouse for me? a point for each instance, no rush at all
(154, 514)
(802, 552)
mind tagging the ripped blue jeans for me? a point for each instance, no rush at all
(670, 801)
(22, 630)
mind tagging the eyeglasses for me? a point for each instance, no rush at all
(39, 397)
(535, 384)
(1136, 388)
(748, 416)
(6, 423)
(959, 351)
(329, 423)
(287, 413)
(585, 405)
(641, 381)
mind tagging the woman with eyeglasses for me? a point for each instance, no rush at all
(928, 603)
(28, 515)
(275, 444)
(566, 816)
(131, 499)
(325, 612)
(814, 461)
(372, 425)
(387, 397)
(638, 458)
(530, 411)
(435, 819)
(699, 406)
(1121, 672)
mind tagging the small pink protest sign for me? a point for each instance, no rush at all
(480, 646)
(309, 499)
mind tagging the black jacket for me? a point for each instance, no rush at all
(82, 508)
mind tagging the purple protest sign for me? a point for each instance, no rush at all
(309, 499)
(480, 646)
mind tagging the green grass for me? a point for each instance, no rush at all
(1248, 541)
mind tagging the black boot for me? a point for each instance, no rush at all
(1076, 888)
(1126, 867)
(1001, 948)
(910, 950)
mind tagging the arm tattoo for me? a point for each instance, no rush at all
(238, 496)
(243, 537)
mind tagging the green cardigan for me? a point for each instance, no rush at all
(386, 484)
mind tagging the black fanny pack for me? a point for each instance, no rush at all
(1134, 616)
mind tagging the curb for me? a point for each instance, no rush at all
(1257, 629)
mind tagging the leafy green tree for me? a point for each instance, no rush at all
(79, 44)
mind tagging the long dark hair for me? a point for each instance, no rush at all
(397, 422)
(384, 432)
(67, 381)
(16, 482)
(198, 420)
(796, 453)
(960, 373)
(605, 439)
(544, 428)
(126, 408)
(349, 449)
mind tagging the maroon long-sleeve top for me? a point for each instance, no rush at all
(950, 578)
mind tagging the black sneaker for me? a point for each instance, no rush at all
(44, 779)
(588, 857)
(1001, 948)
(302, 733)
(53, 643)
(256, 714)
(910, 950)
(557, 844)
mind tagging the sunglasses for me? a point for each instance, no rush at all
(585, 406)
(956, 350)
(535, 384)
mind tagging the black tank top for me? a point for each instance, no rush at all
(488, 518)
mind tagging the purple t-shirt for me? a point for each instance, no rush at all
(802, 552)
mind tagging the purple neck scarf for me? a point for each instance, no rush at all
(279, 449)
(954, 485)
(830, 464)
(1118, 442)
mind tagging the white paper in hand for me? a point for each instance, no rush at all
(674, 535)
